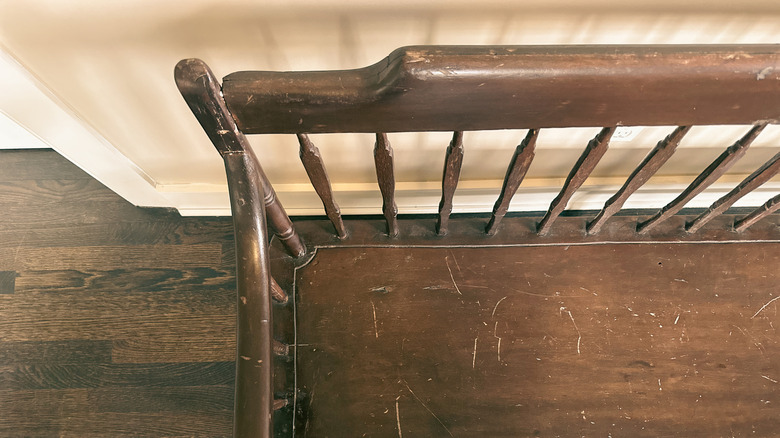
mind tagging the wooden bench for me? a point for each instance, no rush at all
(458, 89)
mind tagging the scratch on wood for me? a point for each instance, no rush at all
(494, 308)
(474, 358)
(373, 309)
(446, 260)
(454, 259)
(770, 379)
(398, 419)
(498, 347)
(426, 407)
(764, 306)
(579, 335)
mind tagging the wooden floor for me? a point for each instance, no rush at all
(119, 321)
(114, 320)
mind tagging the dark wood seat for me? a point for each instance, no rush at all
(462, 89)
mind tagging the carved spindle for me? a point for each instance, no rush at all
(200, 89)
(752, 182)
(277, 293)
(646, 169)
(756, 215)
(383, 158)
(585, 164)
(449, 181)
(281, 349)
(515, 172)
(711, 174)
(315, 168)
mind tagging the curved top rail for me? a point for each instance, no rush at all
(457, 88)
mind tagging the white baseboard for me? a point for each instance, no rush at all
(467, 199)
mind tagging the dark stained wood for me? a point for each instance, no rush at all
(124, 319)
(752, 182)
(449, 181)
(711, 174)
(112, 257)
(254, 379)
(61, 352)
(383, 159)
(214, 398)
(14, 166)
(765, 210)
(579, 173)
(130, 279)
(515, 172)
(646, 169)
(60, 376)
(7, 282)
(315, 168)
(277, 293)
(200, 89)
(464, 88)
(218, 347)
(528, 349)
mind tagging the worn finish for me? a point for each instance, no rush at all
(463, 88)
(711, 174)
(579, 173)
(277, 293)
(200, 89)
(254, 379)
(383, 159)
(315, 168)
(518, 167)
(508, 344)
(752, 182)
(453, 160)
(646, 169)
(761, 212)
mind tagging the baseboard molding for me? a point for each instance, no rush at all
(213, 200)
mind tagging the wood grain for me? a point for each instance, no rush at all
(112, 257)
(453, 160)
(200, 279)
(515, 172)
(579, 173)
(62, 352)
(708, 176)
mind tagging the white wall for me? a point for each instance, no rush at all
(106, 70)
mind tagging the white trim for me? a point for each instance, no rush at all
(28, 102)
(467, 199)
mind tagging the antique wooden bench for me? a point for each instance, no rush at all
(457, 89)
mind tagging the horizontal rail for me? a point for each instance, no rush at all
(423, 88)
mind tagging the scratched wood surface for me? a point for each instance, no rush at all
(604, 340)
